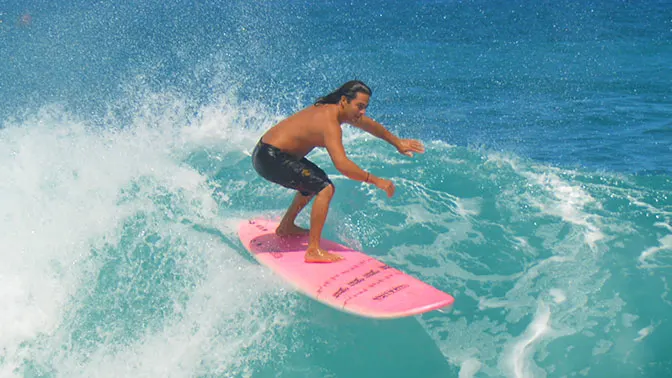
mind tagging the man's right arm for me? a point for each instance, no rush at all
(333, 141)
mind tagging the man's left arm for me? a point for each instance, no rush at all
(376, 129)
(404, 146)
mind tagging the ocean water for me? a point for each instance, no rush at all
(543, 202)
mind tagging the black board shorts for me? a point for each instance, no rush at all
(287, 170)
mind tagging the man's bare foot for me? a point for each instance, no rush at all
(318, 255)
(291, 230)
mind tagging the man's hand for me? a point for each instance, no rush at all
(409, 146)
(385, 185)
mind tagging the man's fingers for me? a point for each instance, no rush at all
(418, 147)
(414, 145)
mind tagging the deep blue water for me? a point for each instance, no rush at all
(543, 202)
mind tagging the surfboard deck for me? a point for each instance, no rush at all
(359, 284)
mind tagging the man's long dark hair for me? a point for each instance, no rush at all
(349, 90)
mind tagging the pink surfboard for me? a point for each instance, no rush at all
(358, 284)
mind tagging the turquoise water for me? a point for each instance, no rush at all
(543, 202)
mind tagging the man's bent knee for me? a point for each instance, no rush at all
(328, 190)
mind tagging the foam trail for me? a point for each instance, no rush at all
(665, 244)
(644, 333)
(519, 360)
(469, 368)
(568, 201)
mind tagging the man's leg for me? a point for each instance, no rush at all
(318, 217)
(287, 226)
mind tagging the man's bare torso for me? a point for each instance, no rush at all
(303, 131)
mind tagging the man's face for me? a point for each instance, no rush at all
(356, 108)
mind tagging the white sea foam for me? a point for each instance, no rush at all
(558, 295)
(67, 189)
(569, 202)
(469, 368)
(644, 333)
(518, 361)
(651, 209)
(557, 237)
(665, 244)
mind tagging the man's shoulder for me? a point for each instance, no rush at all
(323, 114)
(322, 108)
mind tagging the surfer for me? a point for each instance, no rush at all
(279, 157)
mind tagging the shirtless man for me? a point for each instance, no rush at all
(279, 157)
